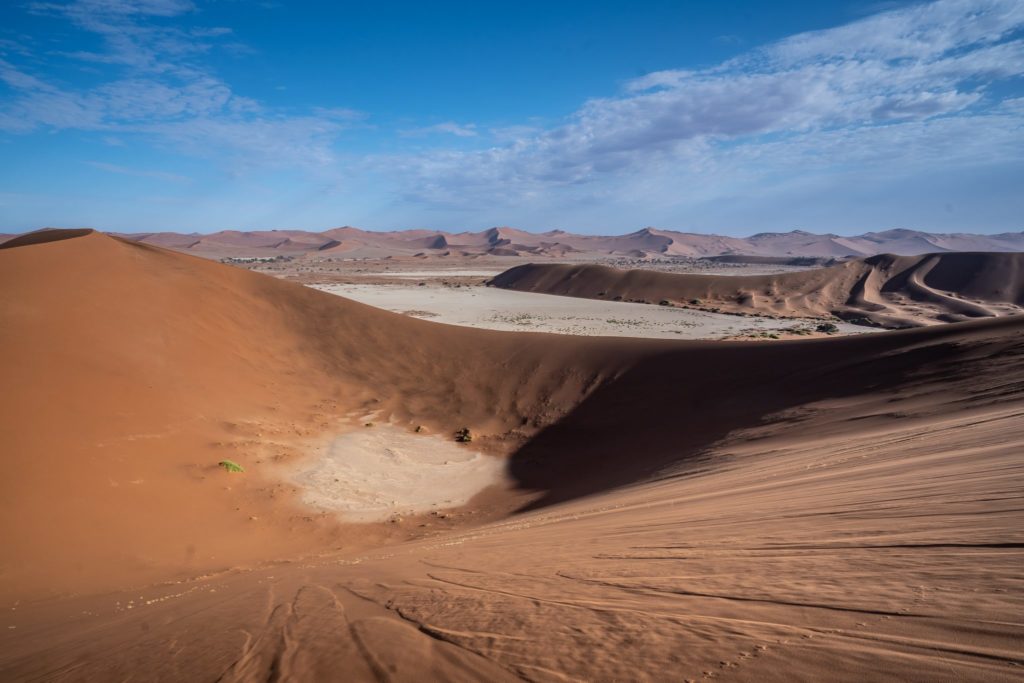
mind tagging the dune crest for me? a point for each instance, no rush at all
(649, 242)
(160, 365)
(885, 290)
(45, 235)
(801, 509)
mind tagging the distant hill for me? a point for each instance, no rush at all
(505, 241)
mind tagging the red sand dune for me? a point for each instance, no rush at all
(886, 290)
(841, 509)
(505, 241)
(157, 365)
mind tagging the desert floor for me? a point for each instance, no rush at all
(454, 292)
(499, 309)
(835, 509)
(780, 556)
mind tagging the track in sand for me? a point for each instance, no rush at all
(843, 509)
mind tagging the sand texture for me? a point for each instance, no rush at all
(889, 291)
(843, 509)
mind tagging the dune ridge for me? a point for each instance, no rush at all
(644, 243)
(798, 509)
(162, 364)
(886, 290)
(350, 242)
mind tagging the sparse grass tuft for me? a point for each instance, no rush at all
(231, 466)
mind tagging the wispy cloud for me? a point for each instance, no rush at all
(158, 86)
(729, 39)
(892, 84)
(122, 170)
(894, 95)
(446, 128)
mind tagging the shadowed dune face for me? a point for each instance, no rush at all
(885, 290)
(795, 510)
(805, 261)
(44, 236)
(668, 411)
(160, 365)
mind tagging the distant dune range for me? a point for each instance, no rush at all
(885, 290)
(352, 242)
(840, 509)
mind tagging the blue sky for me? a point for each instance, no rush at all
(713, 116)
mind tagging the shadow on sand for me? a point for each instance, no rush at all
(669, 409)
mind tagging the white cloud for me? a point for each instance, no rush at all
(920, 32)
(448, 128)
(140, 173)
(908, 67)
(891, 95)
(211, 32)
(20, 80)
(158, 87)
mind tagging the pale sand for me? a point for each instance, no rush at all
(377, 473)
(435, 273)
(498, 309)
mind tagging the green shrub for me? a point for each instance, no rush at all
(231, 466)
(463, 435)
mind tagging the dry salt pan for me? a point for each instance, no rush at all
(504, 309)
(374, 473)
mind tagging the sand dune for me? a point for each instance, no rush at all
(890, 291)
(158, 365)
(353, 242)
(843, 509)
(350, 242)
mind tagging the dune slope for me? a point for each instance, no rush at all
(131, 371)
(886, 290)
(843, 509)
(506, 241)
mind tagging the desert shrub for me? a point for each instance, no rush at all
(231, 466)
(827, 328)
(463, 435)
